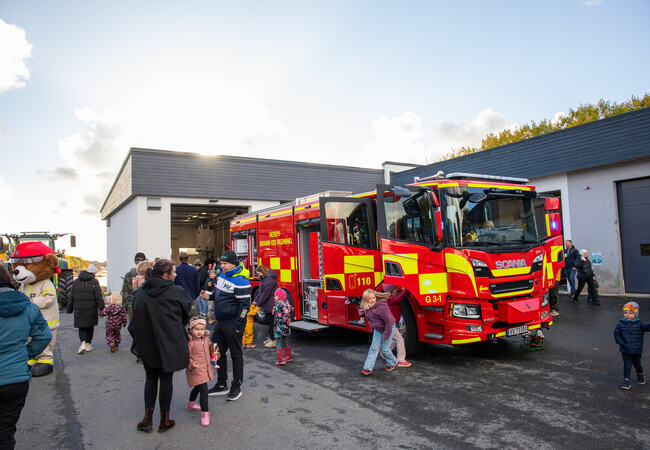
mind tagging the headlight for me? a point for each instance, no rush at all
(463, 311)
(478, 263)
(545, 300)
(538, 258)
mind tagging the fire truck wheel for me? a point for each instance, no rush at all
(409, 329)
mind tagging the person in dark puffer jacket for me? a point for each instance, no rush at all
(628, 334)
(586, 276)
(85, 299)
(20, 319)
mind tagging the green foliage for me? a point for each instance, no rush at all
(582, 114)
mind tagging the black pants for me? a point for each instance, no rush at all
(268, 320)
(552, 298)
(86, 334)
(203, 400)
(12, 400)
(151, 388)
(629, 361)
(592, 289)
(225, 337)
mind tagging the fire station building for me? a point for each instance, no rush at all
(165, 202)
(601, 172)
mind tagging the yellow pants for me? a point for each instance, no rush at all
(247, 338)
(47, 357)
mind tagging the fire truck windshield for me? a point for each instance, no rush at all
(476, 217)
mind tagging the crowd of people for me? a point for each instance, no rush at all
(190, 317)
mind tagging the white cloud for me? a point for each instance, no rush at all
(396, 138)
(557, 117)
(14, 50)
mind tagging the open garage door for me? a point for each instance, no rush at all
(634, 223)
(202, 231)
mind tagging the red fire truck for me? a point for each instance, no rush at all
(477, 254)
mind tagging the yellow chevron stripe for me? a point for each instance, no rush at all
(465, 341)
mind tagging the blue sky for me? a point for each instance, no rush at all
(341, 82)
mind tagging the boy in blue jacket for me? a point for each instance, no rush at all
(628, 334)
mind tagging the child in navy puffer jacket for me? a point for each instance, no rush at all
(628, 334)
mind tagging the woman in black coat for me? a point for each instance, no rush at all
(85, 299)
(265, 301)
(159, 338)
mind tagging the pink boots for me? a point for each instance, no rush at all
(205, 419)
(192, 406)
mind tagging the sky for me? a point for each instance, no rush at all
(341, 82)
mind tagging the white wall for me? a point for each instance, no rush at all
(594, 217)
(121, 240)
(135, 229)
(557, 183)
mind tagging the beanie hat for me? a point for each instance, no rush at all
(632, 307)
(197, 321)
(280, 294)
(140, 256)
(230, 257)
(91, 268)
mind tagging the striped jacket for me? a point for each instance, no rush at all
(43, 295)
(232, 296)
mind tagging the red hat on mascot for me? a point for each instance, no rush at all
(31, 252)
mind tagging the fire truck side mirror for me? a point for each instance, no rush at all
(552, 204)
(73, 240)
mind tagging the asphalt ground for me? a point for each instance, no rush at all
(486, 395)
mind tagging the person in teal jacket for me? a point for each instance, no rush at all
(20, 319)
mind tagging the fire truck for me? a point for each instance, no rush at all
(476, 253)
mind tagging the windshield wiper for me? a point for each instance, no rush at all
(520, 241)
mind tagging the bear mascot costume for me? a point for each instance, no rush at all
(33, 265)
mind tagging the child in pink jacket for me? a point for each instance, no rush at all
(200, 370)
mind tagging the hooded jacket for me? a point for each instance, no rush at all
(264, 296)
(232, 296)
(85, 299)
(158, 325)
(380, 319)
(629, 335)
(20, 319)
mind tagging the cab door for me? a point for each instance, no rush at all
(351, 262)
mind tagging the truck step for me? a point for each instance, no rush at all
(304, 325)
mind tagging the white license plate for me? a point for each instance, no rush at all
(516, 330)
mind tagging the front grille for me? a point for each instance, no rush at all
(511, 286)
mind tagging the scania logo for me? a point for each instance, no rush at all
(510, 263)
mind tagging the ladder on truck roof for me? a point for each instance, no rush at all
(464, 175)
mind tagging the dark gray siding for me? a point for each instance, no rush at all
(613, 140)
(178, 174)
(121, 190)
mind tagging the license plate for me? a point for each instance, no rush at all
(516, 330)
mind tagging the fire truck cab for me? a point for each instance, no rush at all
(468, 248)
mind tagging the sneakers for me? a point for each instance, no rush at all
(82, 349)
(404, 364)
(626, 385)
(89, 348)
(640, 378)
(269, 344)
(234, 394)
(389, 368)
(366, 372)
(555, 312)
(250, 346)
(218, 390)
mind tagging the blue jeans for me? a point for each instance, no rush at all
(629, 361)
(571, 278)
(376, 343)
(203, 305)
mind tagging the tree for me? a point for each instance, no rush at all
(584, 113)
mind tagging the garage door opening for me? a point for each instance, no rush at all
(202, 231)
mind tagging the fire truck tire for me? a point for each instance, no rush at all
(409, 329)
(64, 287)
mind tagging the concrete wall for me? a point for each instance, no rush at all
(557, 183)
(594, 217)
(121, 242)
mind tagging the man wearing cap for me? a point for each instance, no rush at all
(232, 298)
(127, 286)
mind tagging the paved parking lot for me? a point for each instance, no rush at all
(487, 395)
